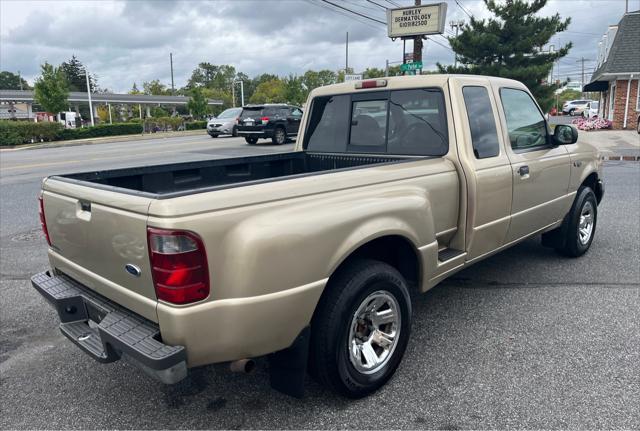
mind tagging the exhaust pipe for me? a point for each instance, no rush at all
(245, 366)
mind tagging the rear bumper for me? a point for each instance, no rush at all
(266, 133)
(107, 332)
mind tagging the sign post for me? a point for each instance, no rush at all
(415, 22)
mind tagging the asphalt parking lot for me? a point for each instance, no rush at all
(525, 339)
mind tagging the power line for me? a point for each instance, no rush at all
(393, 3)
(354, 12)
(377, 4)
(469, 14)
(361, 21)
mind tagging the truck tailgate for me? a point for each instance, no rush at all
(99, 238)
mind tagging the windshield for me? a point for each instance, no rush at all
(229, 113)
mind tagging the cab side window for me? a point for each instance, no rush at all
(482, 124)
(296, 113)
(525, 123)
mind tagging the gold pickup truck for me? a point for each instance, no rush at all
(308, 257)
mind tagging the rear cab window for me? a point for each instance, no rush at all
(400, 122)
(482, 124)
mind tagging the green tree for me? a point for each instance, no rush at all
(272, 91)
(372, 72)
(294, 91)
(11, 81)
(74, 72)
(155, 88)
(197, 103)
(134, 89)
(50, 89)
(510, 45)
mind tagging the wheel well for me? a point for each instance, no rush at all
(592, 182)
(394, 250)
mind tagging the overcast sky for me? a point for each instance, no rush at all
(126, 41)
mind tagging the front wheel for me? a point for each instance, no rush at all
(251, 141)
(234, 132)
(575, 237)
(361, 328)
(572, 112)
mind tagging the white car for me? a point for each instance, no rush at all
(574, 107)
(591, 110)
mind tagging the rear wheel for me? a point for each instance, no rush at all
(571, 112)
(251, 141)
(361, 328)
(279, 136)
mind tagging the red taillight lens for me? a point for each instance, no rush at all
(43, 220)
(264, 120)
(178, 265)
(374, 83)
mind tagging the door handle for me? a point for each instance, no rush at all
(524, 170)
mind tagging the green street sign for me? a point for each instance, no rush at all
(411, 66)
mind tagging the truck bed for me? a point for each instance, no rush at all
(171, 180)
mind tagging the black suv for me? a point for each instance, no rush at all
(269, 121)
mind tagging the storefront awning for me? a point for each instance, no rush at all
(596, 86)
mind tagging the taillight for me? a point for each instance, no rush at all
(264, 120)
(43, 220)
(374, 83)
(178, 265)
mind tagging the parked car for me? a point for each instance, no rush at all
(573, 85)
(574, 107)
(270, 121)
(395, 184)
(591, 110)
(224, 124)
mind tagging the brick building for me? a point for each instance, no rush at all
(617, 73)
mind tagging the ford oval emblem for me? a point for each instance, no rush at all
(132, 269)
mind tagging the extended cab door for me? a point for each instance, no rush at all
(540, 170)
(486, 165)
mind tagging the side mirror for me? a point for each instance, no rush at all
(565, 134)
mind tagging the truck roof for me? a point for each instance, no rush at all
(407, 82)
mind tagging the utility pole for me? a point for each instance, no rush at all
(456, 25)
(86, 75)
(346, 56)
(20, 80)
(173, 91)
(417, 43)
(386, 68)
(582, 60)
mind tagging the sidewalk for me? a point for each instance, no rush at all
(614, 144)
(107, 140)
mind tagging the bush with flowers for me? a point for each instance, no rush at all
(592, 123)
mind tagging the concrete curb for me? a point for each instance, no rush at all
(106, 140)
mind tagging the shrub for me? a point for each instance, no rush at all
(195, 125)
(100, 131)
(24, 132)
(592, 123)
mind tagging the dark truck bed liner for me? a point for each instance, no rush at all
(178, 179)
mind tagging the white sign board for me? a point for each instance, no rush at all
(348, 78)
(416, 20)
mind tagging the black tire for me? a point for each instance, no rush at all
(330, 360)
(279, 136)
(571, 243)
(234, 132)
(214, 136)
(251, 141)
(571, 112)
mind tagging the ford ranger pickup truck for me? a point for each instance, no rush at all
(307, 258)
